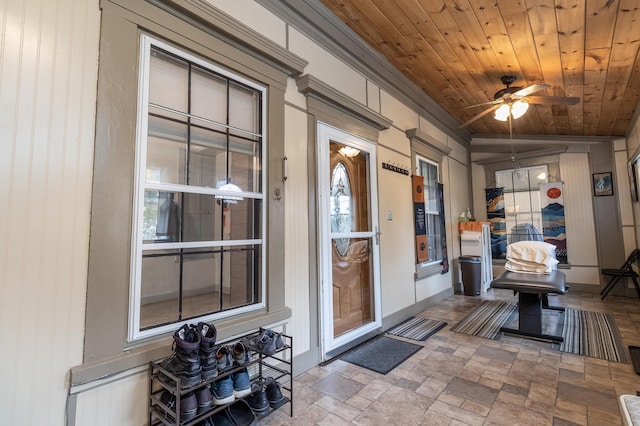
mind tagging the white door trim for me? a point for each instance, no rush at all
(326, 133)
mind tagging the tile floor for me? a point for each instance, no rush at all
(465, 380)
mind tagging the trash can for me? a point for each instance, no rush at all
(471, 274)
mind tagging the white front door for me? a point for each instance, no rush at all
(349, 237)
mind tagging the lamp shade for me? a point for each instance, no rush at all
(502, 113)
(518, 108)
(229, 198)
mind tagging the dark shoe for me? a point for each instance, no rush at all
(204, 398)
(239, 354)
(241, 414)
(262, 343)
(258, 399)
(274, 394)
(241, 383)
(223, 359)
(277, 338)
(188, 405)
(222, 391)
(221, 418)
(207, 353)
(184, 362)
(205, 422)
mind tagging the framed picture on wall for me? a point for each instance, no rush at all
(602, 184)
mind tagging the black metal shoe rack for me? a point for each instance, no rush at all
(279, 366)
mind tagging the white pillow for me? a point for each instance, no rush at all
(535, 257)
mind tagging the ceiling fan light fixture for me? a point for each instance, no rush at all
(503, 112)
(519, 108)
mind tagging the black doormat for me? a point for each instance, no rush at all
(382, 354)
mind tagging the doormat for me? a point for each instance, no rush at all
(417, 328)
(486, 319)
(382, 354)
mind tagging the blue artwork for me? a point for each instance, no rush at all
(496, 216)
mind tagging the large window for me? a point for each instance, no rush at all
(522, 207)
(429, 171)
(198, 244)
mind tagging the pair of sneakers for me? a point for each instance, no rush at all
(265, 393)
(235, 355)
(267, 342)
(230, 387)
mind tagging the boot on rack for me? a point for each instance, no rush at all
(185, 362)
(208, 348)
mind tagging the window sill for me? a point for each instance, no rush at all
(427, 270)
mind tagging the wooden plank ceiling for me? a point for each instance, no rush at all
(457, 50)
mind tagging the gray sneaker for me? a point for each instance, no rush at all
(267, 342)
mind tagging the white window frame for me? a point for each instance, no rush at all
(419, 159)
(134, 332)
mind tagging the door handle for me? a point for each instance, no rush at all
(378, 233)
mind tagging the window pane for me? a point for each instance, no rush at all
(160, 288)
(241, 277)
(208, 95)
(166, 151)
(433, 237)
(244, 108)
(208, 157)
(242, 220)
(201, 282)
(245, 167)
(168, 81)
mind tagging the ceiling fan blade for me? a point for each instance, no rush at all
(531, 89)
(482, 114)
(553, 100)
(498, 101)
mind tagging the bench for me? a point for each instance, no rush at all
(532, 292)
(630, 409)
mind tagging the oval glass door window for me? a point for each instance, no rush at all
(341, 203)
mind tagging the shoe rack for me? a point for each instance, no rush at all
(278, 366)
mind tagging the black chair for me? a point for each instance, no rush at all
(625, 271)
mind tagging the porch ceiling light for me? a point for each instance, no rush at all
(349, 151)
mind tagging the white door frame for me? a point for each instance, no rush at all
(326, 133)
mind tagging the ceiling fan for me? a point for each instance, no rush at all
(512, 102)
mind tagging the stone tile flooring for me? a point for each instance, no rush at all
(458, 379)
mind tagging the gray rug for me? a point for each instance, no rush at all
(592, 334)
(417, 328)
(486, 320)
(382, 354)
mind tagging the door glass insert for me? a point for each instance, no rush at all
(341, 204)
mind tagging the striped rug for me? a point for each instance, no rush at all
(593, 334)
(417, 328)
(486, 320)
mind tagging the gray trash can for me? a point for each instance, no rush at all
(471, 274)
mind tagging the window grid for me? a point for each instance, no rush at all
(238, 255)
